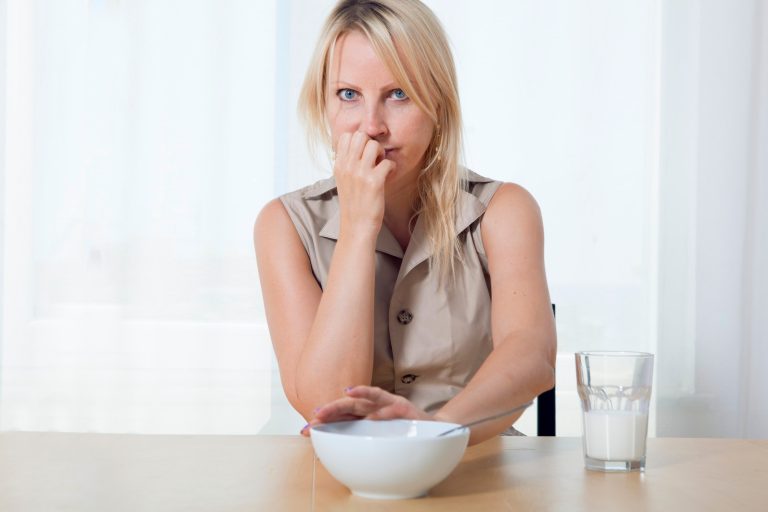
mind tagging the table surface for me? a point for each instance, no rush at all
(116, 472)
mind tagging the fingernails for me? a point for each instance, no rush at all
(314, 411)
(304, 428)
(347, 389)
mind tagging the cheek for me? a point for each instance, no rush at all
(427, 133)
(420, 132)
(341, 121)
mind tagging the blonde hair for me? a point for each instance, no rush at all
(408, 37)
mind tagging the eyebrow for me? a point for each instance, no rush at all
(344, 83)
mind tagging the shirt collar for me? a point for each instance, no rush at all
(470, 208)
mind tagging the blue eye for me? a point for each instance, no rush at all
(399, 94)
(346, 94)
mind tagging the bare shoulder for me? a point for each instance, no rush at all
(512, 210)
(273, 221)
(273, 212)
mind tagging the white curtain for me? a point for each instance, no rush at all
(138, 150)
(713, 222)
(141, 138)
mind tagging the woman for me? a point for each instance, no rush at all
(377, 282)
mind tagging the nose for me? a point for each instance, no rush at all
(374, 123)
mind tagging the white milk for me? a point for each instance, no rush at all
(615, 435)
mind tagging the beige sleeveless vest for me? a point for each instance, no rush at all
(429, 339)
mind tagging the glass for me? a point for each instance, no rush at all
(615, 392)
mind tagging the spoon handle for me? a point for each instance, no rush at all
(489, 418)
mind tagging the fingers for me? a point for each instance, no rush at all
(359, 402)
(374, 152)
(371, 152)
(365, 402)
(345, 407)
(342, 146)
(357, 144)
(371, 393)
(360, 183)
(358, 147)
(388, 405)
(397, 410)
(384, 168)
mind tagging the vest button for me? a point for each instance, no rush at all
(404, 316)
(407, 379)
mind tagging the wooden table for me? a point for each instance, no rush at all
(111, 473)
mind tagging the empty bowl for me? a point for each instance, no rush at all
(389, 459)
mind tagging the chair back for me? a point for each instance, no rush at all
(545, 409)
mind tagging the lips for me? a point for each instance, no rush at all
(387, 154)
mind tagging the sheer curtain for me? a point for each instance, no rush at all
(138, 149)
(713, 237)
(141, 138)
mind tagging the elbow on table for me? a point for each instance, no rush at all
(547, 380)
(303, 396)
(548, 364)
(543, 377)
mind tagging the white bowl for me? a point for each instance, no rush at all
(389, 459)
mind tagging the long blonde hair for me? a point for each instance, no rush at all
(408, 37)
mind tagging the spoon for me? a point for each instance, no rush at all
(489, 418)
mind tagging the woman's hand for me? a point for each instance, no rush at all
(366, 402)
(360, 182)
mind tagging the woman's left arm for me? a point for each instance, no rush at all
(522, 362)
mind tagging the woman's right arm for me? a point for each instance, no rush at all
(323, 339)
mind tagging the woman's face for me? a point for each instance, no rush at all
(363, 96)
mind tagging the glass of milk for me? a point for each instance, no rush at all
(615, 393)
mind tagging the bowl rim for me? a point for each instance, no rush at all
(458, 433)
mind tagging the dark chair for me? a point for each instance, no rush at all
(545, 409)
